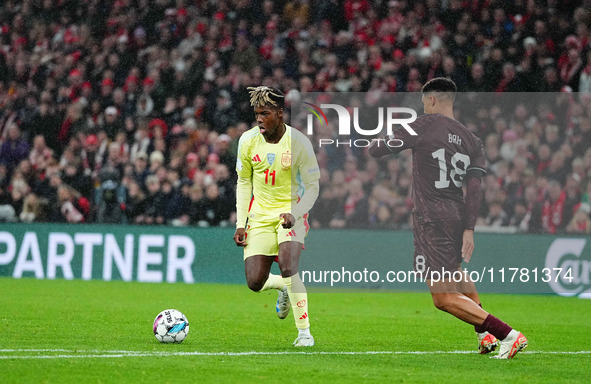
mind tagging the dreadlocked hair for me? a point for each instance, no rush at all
(263, 96)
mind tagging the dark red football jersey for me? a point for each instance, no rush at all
(442, 152)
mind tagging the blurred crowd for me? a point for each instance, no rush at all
(129, 111)
(538, 175)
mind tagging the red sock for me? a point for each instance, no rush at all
(496, 327)
(480, 328)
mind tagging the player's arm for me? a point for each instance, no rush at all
(310, 173)
(303, 206)
(379, 148)
(472, 199)
(243, 193)
(400, 139)
(307, 201)
(243, 196)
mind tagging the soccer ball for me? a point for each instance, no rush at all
(171, 326)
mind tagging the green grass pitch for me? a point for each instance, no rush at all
(56, 331)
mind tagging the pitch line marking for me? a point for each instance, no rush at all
(84, 354)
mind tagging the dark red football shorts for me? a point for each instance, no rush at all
(438, 246)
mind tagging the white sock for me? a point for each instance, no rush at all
(273, 282)
(512, 335)
(299, 300)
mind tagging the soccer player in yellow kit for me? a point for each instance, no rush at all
(277, 186)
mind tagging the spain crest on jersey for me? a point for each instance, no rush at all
(286, 159)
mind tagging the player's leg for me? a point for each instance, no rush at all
(467, 287)
(289, 257)
(493, 332)
(440, 245)
(447, 298)
(462, 307)
(257, 269)
(487, 342)
(259, 253)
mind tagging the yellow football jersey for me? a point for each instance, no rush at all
(278, 171)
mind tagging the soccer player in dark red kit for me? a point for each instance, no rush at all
(445, 157)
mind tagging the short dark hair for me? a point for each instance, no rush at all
(440, 84)
(444, 88)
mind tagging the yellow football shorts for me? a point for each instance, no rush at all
(263, 238)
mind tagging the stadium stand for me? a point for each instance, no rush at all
(129, 111)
